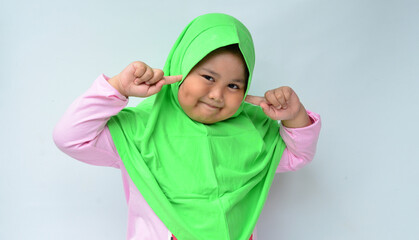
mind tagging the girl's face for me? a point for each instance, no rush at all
(214, 89)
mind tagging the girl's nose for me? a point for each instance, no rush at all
(216, 94)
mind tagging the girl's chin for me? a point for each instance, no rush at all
(204, 119)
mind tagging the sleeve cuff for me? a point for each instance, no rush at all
(302, 138)
(315, 122)
(103, 80)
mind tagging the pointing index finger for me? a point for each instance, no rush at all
(255, 100)
(172, 79)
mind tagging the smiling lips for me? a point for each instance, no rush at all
(210, 106)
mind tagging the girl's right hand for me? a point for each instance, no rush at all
(140, 80)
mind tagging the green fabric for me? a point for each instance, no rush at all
(202, 181)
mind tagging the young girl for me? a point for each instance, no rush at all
(198, 156)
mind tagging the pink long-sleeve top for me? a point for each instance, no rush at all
(82, 133)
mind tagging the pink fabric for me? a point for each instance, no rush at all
(174, 238)
(82, 134)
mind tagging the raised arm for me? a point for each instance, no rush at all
(299, 128)
(301, 144)
(82, 132)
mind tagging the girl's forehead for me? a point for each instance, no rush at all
(222, 60)
(219, 55)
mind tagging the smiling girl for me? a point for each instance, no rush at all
(198, 155)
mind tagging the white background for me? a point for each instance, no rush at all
(355, 62)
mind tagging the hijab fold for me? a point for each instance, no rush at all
(202, 181)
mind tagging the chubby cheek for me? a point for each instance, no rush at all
(234, 104)
(188, 96)
(182, 97)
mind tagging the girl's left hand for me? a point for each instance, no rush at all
(282, 104)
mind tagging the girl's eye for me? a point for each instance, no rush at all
(209, 78)
(233, 86)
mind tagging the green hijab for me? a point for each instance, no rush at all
(202, 181)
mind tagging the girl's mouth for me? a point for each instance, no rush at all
(210, 106)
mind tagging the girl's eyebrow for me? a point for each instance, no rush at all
(218, 75)
(212, 72)
(239, 80)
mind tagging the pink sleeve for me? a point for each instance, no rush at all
(301, 144)
(82, 132)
